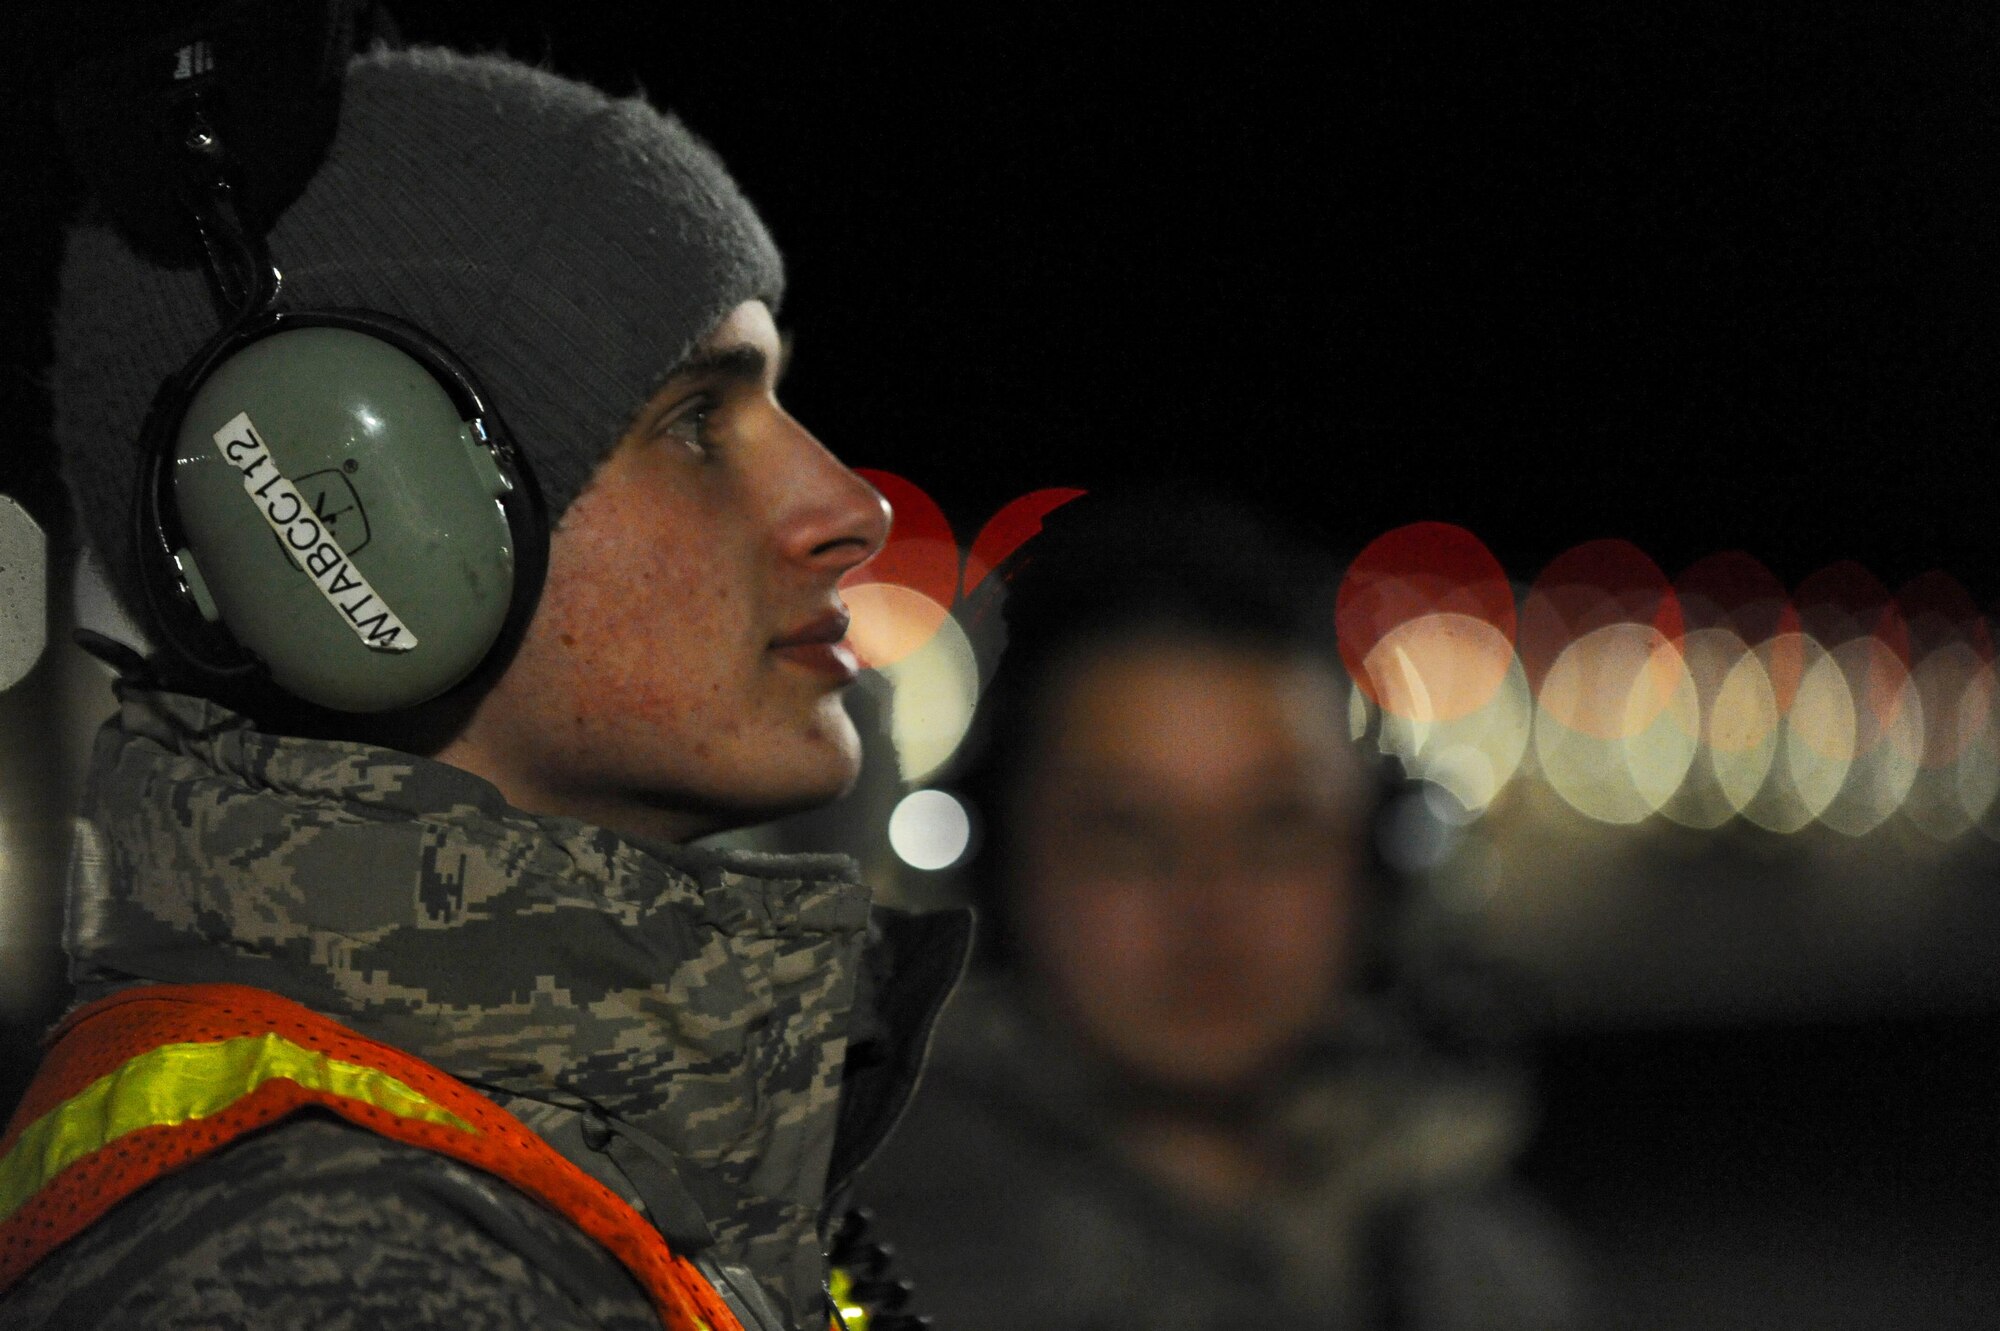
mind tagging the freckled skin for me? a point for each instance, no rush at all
(670, 578)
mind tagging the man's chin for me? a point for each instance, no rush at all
(1224, 1073)
(799, 788)
(838, 747)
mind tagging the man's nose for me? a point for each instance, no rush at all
(839, 520)
(1204, 869)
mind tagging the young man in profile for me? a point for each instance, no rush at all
(473, 1038)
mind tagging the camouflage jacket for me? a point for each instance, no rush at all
(679, 1022)
(1012, 1201)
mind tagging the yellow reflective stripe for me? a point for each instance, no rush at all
(849, 1315)
(179, 1082)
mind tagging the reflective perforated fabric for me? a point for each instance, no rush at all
(145, 1081)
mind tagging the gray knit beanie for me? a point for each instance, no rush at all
(570, 248)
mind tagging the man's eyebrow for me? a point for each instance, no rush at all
(740, 361)
(737, 361)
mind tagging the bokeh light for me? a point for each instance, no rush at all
(24, 577)
(1441, 603)
(1006, 531)
(1618, 716)
(1618, 723)
(1979, 782)
(903, 626)
(1734, 590)
(920, 552)
(1714, 698)
(1438, 667)
(1815, 734)
(930, 830)
(1594, 585)
(1472, 756)
(1888, 736)
(899, 598)
(1951, 648)
(1738, 729)
(1955, 689)
(1419, 829)
(934, 691)
(890, 621)
(1844, 601)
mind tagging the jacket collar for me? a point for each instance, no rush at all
(702, 998)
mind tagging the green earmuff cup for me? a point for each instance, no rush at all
(386, 538)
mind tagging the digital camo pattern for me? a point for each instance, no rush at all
(319, 1224)
(702, 999)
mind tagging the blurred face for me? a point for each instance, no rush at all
(683, 670)
(1193, 833)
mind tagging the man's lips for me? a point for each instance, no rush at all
(819, 645)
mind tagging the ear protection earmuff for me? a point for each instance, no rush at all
(330, 502)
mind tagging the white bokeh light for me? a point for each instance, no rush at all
(929, 830)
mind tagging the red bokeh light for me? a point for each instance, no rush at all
(1589, 587)
(1010, 528)
(921, 553)
(1424, 569)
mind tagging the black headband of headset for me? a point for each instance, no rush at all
(192, 141)
(271, 71)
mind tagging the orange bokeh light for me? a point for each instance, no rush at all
(1440, 599)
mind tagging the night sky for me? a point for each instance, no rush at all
(1700, 282)
(1712, 279)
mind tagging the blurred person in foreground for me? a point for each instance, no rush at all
(421, 1012)
(1164, 1101)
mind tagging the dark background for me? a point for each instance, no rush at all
(1703, 281)
(1703, 277)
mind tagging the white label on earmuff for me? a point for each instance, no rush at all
(312, 548)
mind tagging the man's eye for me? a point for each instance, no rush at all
(1121, 843)
(689, 425)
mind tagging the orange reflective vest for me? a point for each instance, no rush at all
(143, 1082)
